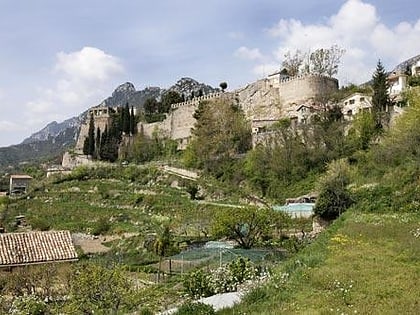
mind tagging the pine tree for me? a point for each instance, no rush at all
(380, 98)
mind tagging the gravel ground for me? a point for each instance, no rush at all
(218, 301)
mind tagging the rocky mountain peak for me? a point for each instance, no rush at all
(126, 87)
(189, 87)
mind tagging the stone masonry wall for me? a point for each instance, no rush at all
(305, 87)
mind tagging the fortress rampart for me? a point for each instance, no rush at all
(305, 87)
(195, 101)
(265, 100)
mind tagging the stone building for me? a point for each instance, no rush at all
(19, 184)
(102, 118)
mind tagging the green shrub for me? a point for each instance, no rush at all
(256, 295)
(101, 227)
(192, 308)
(198, 284)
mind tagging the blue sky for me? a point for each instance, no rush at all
(58, 58)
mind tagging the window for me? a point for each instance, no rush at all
(362, 99)
(351, 102)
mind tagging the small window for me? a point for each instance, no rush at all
(362, 99)
(349, 112)
(351, 102)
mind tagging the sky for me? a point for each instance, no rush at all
(58, 58)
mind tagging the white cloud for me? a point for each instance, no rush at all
(88, 64)
(248, 53)
(357, 28)
(82, 79)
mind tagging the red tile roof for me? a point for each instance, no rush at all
(36, 247)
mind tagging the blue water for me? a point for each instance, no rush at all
(297, 209)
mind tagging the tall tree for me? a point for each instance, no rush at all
(162, 244)
(293, 62)
(98, 142)
(380, 98)
(219, 135)
(325, 61)
(125, 119)
(244, 225)
(223, 86)
(169, 98)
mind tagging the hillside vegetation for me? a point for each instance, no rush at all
(367, 177)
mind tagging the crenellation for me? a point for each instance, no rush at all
(263, 103)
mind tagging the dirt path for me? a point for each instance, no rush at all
(91, 244)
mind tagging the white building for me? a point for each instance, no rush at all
(354, 104)
(397, 83)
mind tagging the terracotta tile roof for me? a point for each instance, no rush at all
(36, 247)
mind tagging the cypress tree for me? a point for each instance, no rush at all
(98, 142)
(125, 115)
(104, 140)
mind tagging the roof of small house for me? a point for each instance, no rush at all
(17, 249)
(20, 177)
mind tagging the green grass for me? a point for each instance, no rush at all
(364, 264)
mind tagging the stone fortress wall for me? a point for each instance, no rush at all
(264, 102)
(102, 118)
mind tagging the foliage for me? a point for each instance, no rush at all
(334, 197)
(101, 227)
(198, 284)
(362, 131)
(226, 278)
(95, 289)
(293, 62)
(195, 308)
(219, 135)
(325, 61)
(293, 154)
(169, 98)
(414, 80)
(223, 86)
(380, 98)
(29, 304)
(350, 268)
(146, 149)
(245, 225)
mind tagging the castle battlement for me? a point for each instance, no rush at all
(196, 100)
(277, 81)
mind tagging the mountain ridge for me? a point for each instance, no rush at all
(57, 137)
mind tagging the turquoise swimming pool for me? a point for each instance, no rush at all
(297, 210)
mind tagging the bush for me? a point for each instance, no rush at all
(101, 227)
(334, 198)
(198, 284)
(192, 308)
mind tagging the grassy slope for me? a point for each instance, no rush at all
(364, 264)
